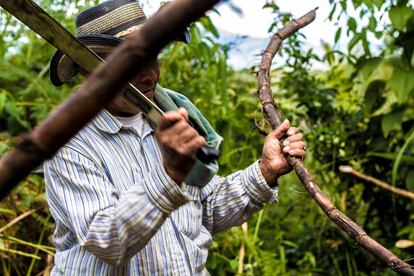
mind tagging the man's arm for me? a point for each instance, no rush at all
(112, 226)
(231, 200)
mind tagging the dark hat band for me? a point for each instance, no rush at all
(99, 10)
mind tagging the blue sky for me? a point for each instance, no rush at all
(255, 21)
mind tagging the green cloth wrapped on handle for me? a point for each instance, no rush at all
(168, 100)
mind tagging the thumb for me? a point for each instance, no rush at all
(281, 131)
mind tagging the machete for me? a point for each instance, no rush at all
(38, 20)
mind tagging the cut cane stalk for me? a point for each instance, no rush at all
(275, 116)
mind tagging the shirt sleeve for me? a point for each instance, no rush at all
(112, 226)
(231, 200)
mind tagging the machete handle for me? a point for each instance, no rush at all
(207, 154)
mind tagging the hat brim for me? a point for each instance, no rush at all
(63, 68)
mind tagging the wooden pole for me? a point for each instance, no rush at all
(275, 117)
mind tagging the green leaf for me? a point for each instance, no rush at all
(399, 16)
(365, 43)
(357, 3)
(372, 24)
(289, 243)
(331, 13)
(403, 232)
(352, 25)
(357, 37)
(338, 35)
(311, 258)
(369, 66)
(234, 264)
(391, 121)
(7, 211)
(378, 3)
(392, 156)
(2, 102)
(368, 3)
(208, 24)
(378, 34)
(398, 159)
(195, 35)
(402, 83)
(409, 180)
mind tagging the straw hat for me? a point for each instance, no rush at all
(100, 28)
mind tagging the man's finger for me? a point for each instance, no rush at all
(197, 143)
(187, 134)
(169, 119)
(293, 145)
(297, 153)
(292, 131)
(281, 131)
(293, 138)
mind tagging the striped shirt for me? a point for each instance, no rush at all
(117, 211)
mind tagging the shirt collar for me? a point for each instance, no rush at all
(106, 122)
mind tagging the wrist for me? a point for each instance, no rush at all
(271, 176)
(176, 176)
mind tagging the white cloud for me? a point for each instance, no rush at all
(253, 22)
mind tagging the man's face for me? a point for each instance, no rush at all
(145, 80)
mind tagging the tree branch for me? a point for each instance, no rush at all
(275, 116)
(382, 184)
(16, 220)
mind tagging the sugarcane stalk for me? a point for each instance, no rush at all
(275, 115)
(382, 184)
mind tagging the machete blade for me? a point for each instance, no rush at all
(38, 20)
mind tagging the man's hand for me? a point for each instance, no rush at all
(273, 163)
(179, 143)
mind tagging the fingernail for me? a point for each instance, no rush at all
(286, 142)
(286, 149)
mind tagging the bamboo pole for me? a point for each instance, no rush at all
(98, 90)
(275, 116)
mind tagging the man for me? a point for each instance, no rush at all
(131, 200)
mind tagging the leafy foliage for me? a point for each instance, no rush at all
(359, 111)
